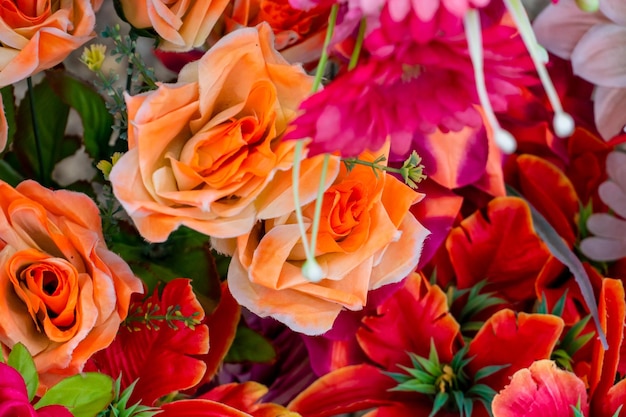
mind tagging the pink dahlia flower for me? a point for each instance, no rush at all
(425, 87)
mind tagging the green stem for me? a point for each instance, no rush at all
(33, 116)
(131, 65)
(321, 69)
(318, 203)
(297, 158)
(356, 53)
(373, 165)
(321, 66)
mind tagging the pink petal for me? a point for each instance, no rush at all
(600, 56)
(614, 10)
(398, 9)
(542, 390)
(425, 10)
(608, 108)
(616, 168)
(560, 26)
(614, 197)
(605, 225)
(602, 249)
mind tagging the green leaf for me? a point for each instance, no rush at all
(559, 249)
(9, 174)
(91, 108)
(21, 360)
(249, 346)
(186, 253)
(51, 117)
(85, 395)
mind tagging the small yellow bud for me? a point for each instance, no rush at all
(93, 56)
(106, 166)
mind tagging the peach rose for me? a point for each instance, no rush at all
(206, 152)
(38, 34)
(64, 294)
(299, 34)
(181, 24)
(367, 239)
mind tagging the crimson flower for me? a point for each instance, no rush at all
(14, 398)
(439, 373)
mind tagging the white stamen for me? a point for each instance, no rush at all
(563, 125)
(312, 271)
(504, 140)
(563, 122)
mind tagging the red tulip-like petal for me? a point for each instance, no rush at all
(436, 213)
(543, 390)
(611, 309)
(615, 398)
(240, 396)
(548, 189)
(500, 245)
(345, 390)
(407, 322)
(199, 408)
(222, 324)
(516, 340)
(161, 358)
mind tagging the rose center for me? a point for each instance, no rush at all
(25, 13)
(346, 203)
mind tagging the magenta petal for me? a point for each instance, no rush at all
(53, 411)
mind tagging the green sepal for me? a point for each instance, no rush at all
(440, 400)
(415, 386)
(488, 370)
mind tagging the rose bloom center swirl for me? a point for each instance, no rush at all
(48, 287)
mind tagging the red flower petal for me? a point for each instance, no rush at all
(199, 408)
(548, 189)
(499, 245)
(407, 322)
(222, 324)
(543, 390)
(517, 340)
(611, 309)
(345, 390)
(159, 358)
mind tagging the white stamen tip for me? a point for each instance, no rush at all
(505, 141)
(312, 271)
(563, 124)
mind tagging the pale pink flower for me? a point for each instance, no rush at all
(609, 242)
(596, 45)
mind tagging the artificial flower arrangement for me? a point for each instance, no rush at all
(380, 207)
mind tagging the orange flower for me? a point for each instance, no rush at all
(299, 34)
(182, 24)
(367, 239)
(38, 34)
(206, 152)
(64, 293)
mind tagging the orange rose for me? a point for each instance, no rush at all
(367, 239)
(206, 152)
(63, 292)
(39, 34)
(182, 24)
(299, 34)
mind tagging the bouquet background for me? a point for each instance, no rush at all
(231, 211)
